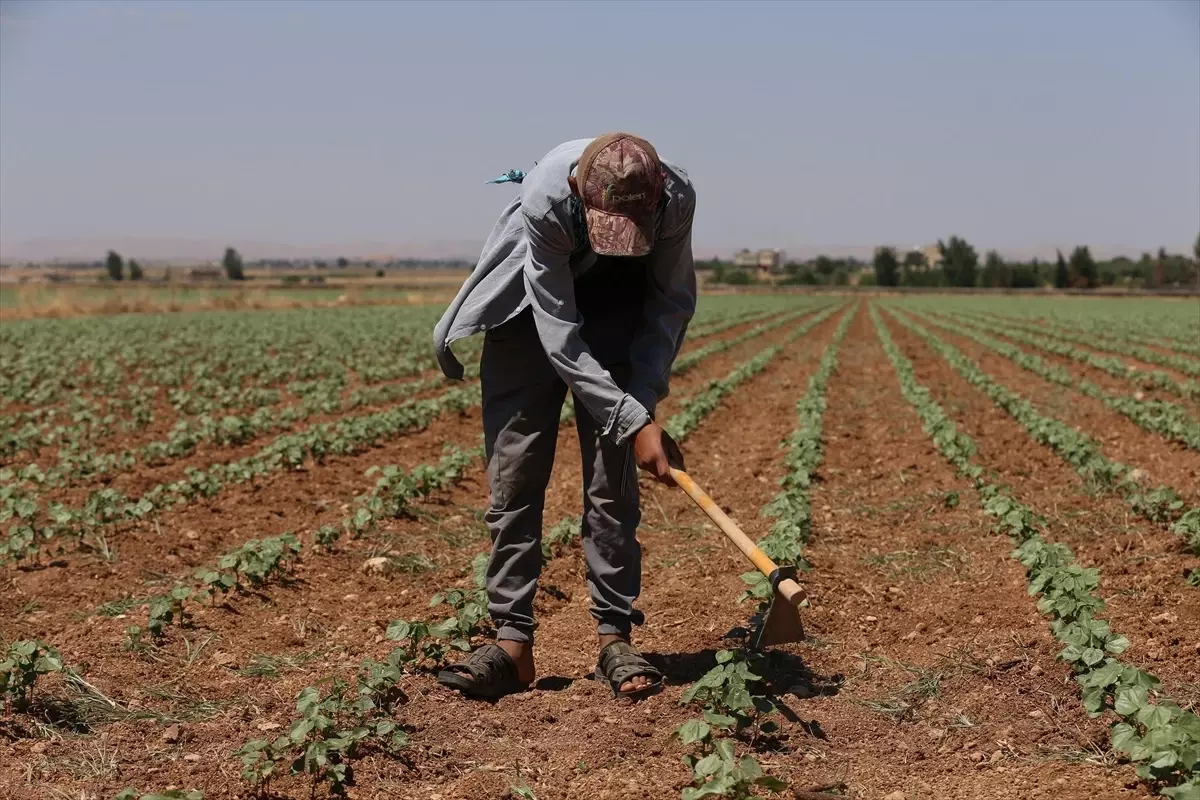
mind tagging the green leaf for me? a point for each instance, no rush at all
(692, 731)
(723, 721)
(1129, 701)
(1124, 737)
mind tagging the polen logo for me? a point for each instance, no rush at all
(610, 195)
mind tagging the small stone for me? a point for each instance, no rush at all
(39, 748)
(936, 733)
(908, 637)
(350, 597)
(192, 757)
(191, 534)
(894, 590)
(267, 726)
(377, 565)
(896, 795)
(1035, 670)
(978, 620)
(871, 619)
(1166, 617)
(224, 659)
(996, 756)
(1036, 713)
(172, 734)
(977, 757)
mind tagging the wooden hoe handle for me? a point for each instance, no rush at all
(791, 591)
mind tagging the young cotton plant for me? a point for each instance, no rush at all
(331, 731)
(426, 643)
(255, 563)
(396, 490)
(24, 663)
(730, 709)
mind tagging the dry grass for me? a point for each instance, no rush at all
(31, 301)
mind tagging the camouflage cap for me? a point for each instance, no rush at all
(620, 179)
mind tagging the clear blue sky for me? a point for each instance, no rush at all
(1015, 124)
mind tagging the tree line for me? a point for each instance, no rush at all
(959, 266)
(115, 266)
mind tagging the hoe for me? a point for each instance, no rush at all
(782, 621)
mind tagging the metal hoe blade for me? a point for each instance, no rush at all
(782, 622)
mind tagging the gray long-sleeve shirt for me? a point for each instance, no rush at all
(531, 259)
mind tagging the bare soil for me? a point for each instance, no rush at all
(927, 669)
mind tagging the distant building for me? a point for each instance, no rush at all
(765, 261)
(204, 273)
(933, 254)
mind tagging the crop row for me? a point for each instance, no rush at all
(790, 508)
(1051, 343)
(39, 528)
(1148, 321)
(1152, 731)
(1160, 505)
(1094, 337)
(736, 705)
(1157, 331)
(703, 403)
(1155, 416)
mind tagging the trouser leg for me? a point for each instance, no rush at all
(611, 513)
(522, 398)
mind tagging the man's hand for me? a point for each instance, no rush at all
(650, 452)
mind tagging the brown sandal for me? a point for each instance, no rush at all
(488, 673)
(621, 661)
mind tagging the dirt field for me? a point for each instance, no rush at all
(928, 671)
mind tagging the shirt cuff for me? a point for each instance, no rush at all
(626, 420)
(647, 399)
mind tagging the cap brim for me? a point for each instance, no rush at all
(618, 235)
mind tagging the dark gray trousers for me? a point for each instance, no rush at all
(522, 399)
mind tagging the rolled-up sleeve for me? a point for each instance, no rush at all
(550, 287)
(670, 306)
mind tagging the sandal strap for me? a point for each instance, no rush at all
(487, 665)
(621, 661)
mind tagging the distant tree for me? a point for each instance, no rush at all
(1083, 268)
(115, 266)
(995, 271)
(1196, 249)
(959, 261)
(887, 267)
(1024, 276)
(135, 270)
(1062, 275)
(825, 266)
(342, 262)
(232, 262)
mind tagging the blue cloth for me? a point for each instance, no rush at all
(512, 176)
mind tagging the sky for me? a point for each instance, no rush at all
(803, 125)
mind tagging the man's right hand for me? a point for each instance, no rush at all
(650, 453)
